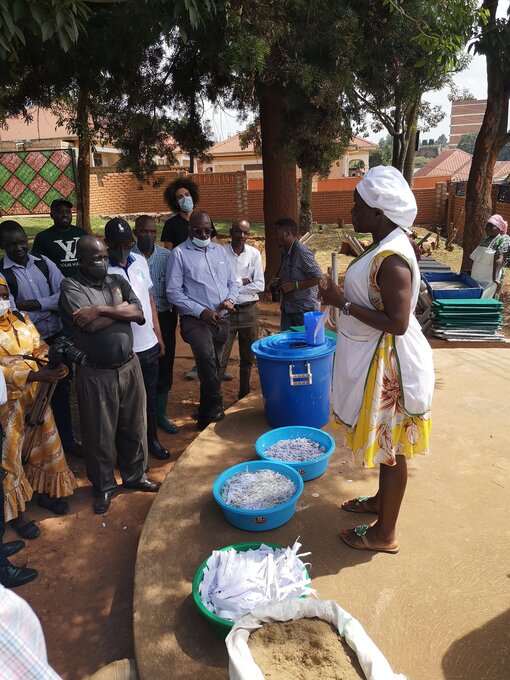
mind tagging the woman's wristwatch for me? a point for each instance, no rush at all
(346, 309)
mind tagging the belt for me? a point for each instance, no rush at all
(246, 304)
(110, 367)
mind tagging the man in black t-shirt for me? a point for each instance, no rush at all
(58, 242)
(182, 198)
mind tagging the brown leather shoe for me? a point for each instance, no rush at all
(102, 502)
(143, 485)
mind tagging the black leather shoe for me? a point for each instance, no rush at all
(153, 444)
(143, 485)
(12, 577)
(13, 547)
(159, 452)
(212, 416)
(102, 502)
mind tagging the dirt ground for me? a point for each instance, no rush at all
(84, 592)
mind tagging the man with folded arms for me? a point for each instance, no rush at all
(97, 310)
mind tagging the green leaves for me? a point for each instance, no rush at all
(44, 19)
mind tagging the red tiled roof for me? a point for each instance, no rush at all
(456, 164)
(44, 125)
(449, 163)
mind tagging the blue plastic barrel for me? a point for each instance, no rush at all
(295, 379)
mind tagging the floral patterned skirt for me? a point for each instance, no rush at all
(383, 429)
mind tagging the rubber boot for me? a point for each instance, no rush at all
(155, 448)
(163, 422)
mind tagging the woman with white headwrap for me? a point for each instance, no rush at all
(489, 257)
(383, 375)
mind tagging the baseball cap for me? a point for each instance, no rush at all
(60, 201)
(117, 230)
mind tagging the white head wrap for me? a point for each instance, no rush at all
(385, 188)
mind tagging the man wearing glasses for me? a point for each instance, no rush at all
(201, 285)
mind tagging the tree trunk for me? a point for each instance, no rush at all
(305, 202)
(191, 163)
(492, 137)
(410, 136)
(280, 191)
(84, 149)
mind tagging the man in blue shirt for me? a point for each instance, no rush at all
(34, 283)
(157, 261)
(201, 285)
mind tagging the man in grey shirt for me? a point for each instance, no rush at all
(97, 309)
(201, 285)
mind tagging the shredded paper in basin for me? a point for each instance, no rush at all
(236, 582)
(296, 450)
(258, 490)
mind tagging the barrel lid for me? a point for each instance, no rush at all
(291, 346)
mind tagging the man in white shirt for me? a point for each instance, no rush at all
(147, 341)
(246, 265)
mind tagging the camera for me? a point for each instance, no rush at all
(275, 289)
(62, 351)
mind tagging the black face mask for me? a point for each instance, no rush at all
(146, 243)
(98, 270)
(119, 254)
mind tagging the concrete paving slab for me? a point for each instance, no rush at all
(438, 609)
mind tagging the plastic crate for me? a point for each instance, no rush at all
(472, 291)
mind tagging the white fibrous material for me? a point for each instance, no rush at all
(295, 450)
(236, 582)
(258, 490)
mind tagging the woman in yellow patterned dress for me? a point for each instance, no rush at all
(383, 375)
(46, 471)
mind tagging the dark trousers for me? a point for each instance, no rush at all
(150, 368)
(60, 404)
(207, 346)
(62, 410)
(168, 326)
(244, 323)
(112, 416)
(291, 319)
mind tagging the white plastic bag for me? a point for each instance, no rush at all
(243, 667)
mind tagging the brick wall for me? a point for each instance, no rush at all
(456, 207)
(223, 195)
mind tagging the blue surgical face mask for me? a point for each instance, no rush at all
(201, 244)
(186, 204)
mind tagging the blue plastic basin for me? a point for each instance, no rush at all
(259, 520)
(295, 379)
(310, 469)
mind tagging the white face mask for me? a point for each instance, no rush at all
(5, 305)
(201, 244)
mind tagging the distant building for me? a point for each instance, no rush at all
(228, 156)
(455, 164)
(44, 132)
(467, 116)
